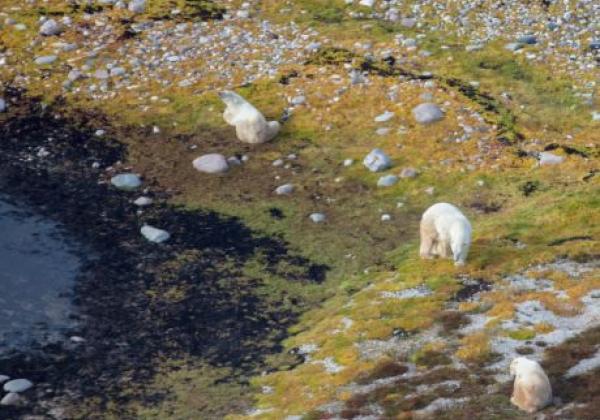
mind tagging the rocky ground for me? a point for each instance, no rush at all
(288, 284)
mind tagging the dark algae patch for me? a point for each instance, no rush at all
(138, 302)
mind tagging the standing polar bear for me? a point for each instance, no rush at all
(250, 125)
(532, 390)
(445, 231)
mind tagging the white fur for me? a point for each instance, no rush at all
(445, 231)
(532, 390)
(250, 125)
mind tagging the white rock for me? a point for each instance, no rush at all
(284, 189)
(377, 161)
(126, 182)
(298, 100)
(12, 398)
(317, 217)
(50, 27)
(547, 158)
(348, 162)
(430, 190)
(386, 217)
(143, 201)
(386, 116)
(212, 163)
(154, 234)
(137, 6)
(427, 113)
(367, 3)
(17, 385)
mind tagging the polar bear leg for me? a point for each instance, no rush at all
(428, 240)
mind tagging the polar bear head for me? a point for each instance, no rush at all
(522, 365)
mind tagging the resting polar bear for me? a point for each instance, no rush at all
(532, 390)
(445, 231)
(250, 125)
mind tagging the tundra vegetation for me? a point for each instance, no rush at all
(372, 329)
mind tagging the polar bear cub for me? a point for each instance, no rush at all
(532, 390)
(445, 231)
(250, 125)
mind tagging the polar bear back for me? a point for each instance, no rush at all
(446, 217)
(532, 389)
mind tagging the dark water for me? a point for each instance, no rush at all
(38, 267)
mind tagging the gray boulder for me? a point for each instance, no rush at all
(427, 113)
(155, 235)
(126, 181)
(17, 385)
(377, 161)
(212, 163)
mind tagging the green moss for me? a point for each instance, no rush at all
(524, 334)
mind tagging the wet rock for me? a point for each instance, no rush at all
(387, 181)
(547, 158)
(143, 201)
(126, 182)
(50, 27)
(155, 235)
(377, 161)
(212, 163)
(427, 113)
(284, 189)
(17, 385)
(45, 59)
(317, 217)
(2, 105)
(12, 398)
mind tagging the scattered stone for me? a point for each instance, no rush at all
(45, 59)
(317, 217)
(377, 161)
(126, 182)
(50, 27)
(74, 75)
(213, 163)
(17, 385)
(386, 217)
(427, 113)
(298, 100)
(155, 235)
(387, 181)
(527, 39)
(348, 162)
(284, 189)
(547, 158)
(101, 74)
(143, 201)
(513, 46)
(408, 173)
(137, 6)
(385, 117)
(12, 398)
